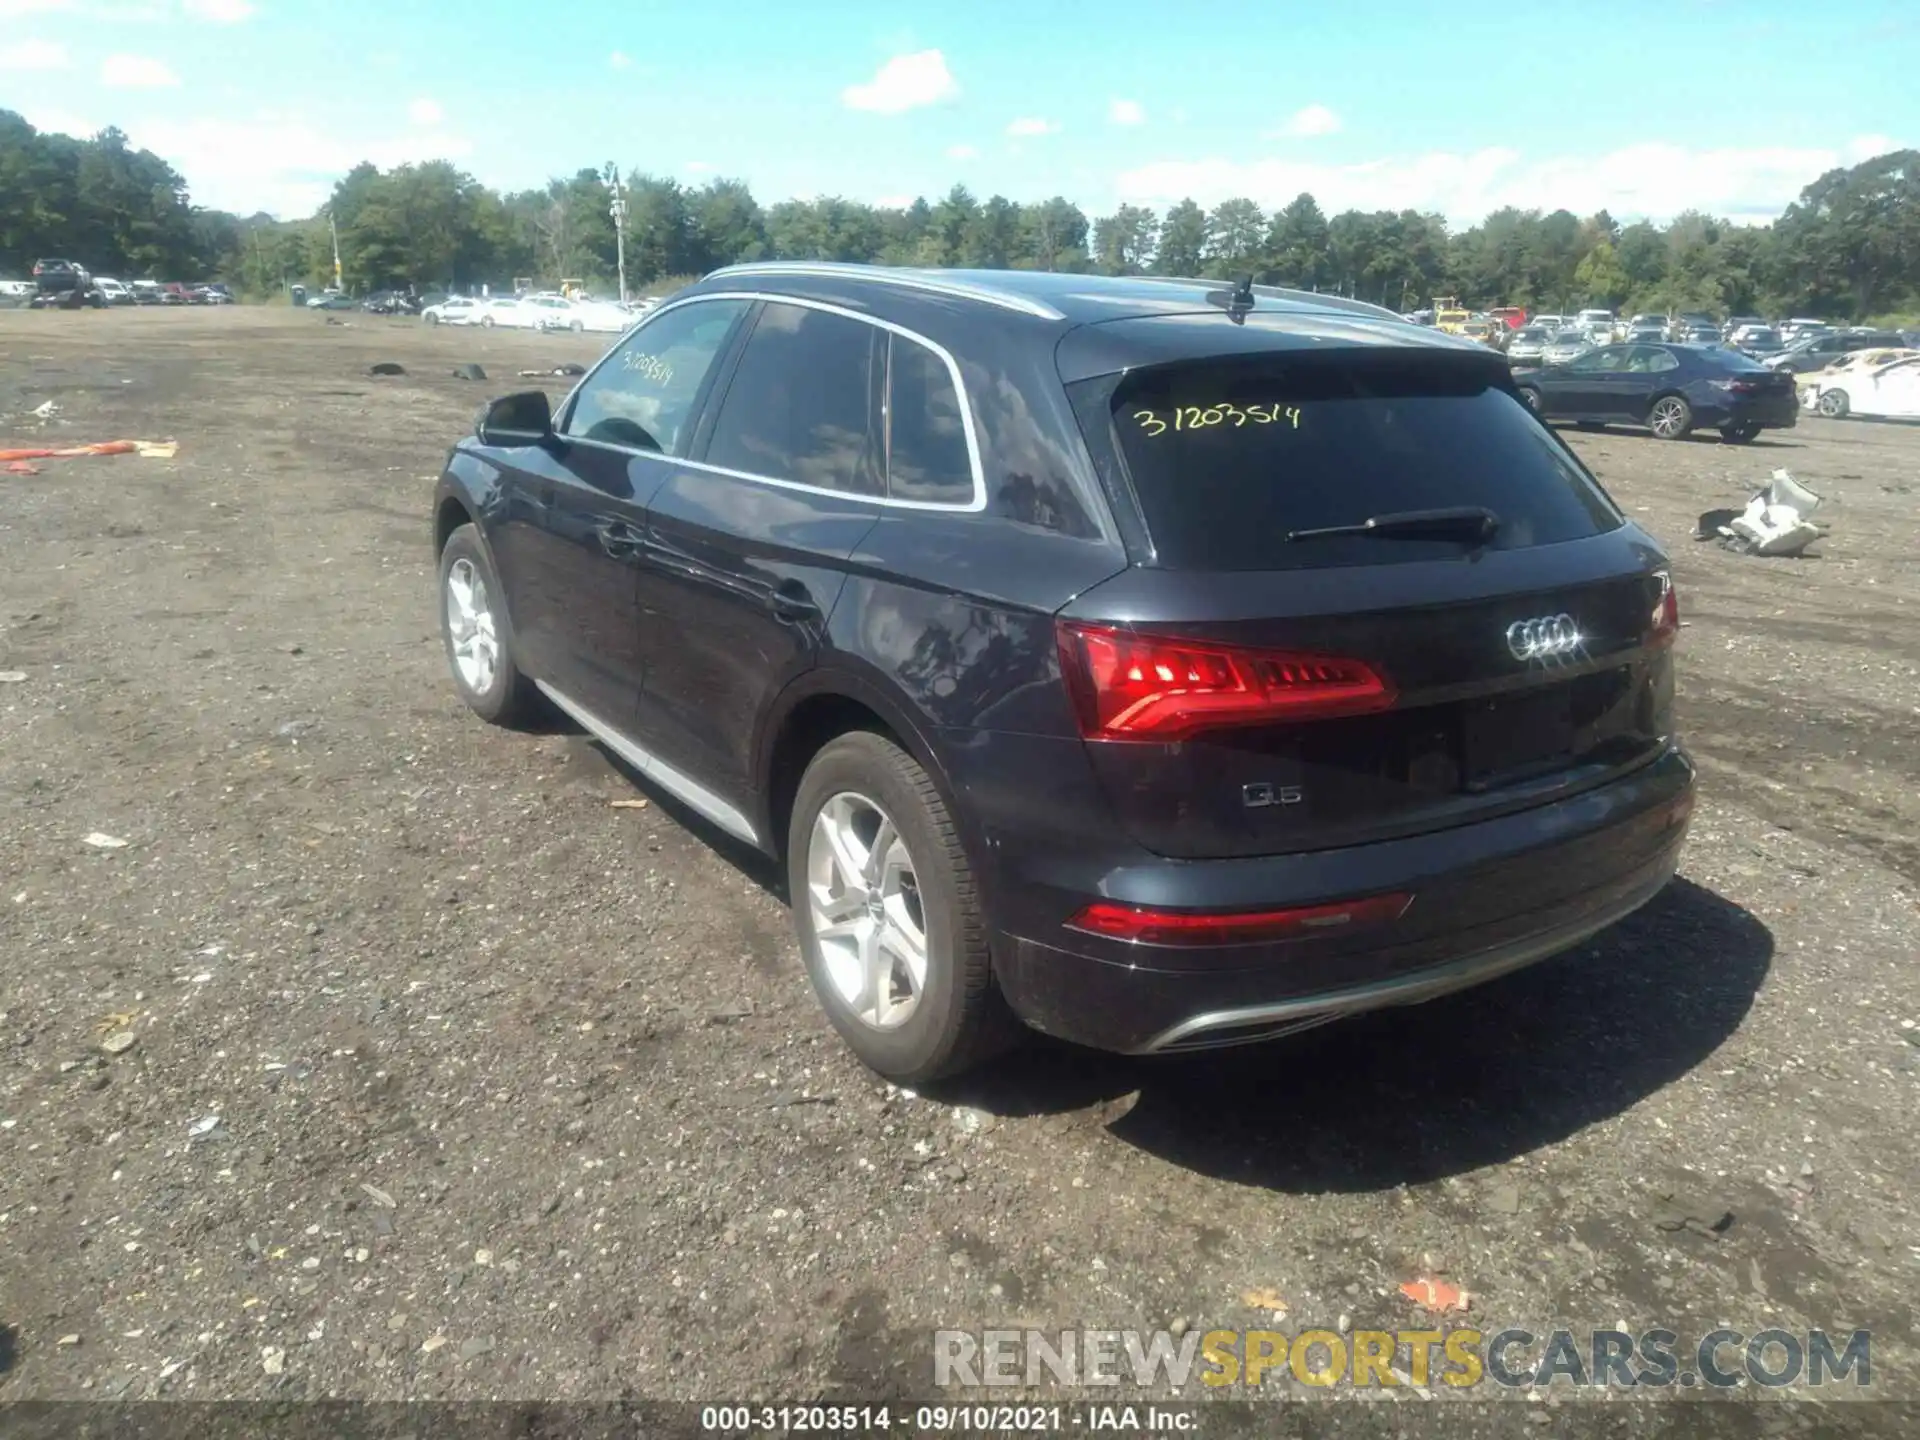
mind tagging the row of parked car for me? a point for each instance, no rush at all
(549, 311)
(541, 310)
(66, 284)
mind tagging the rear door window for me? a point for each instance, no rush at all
(803, 402)
(1227, 460)
(928, 459)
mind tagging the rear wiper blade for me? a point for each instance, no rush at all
(1468, 522)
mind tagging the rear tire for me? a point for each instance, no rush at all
(486, 322)
(1531, 398)
(876, 872)
(433, 319)
(1834, 404)
(1739, 434)
(1670, 418)
(477, 635)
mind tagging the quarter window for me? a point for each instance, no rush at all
(801, 403)
(927, 455)
(643, 394)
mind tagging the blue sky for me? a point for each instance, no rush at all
(1644, 106)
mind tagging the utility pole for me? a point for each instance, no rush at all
(338, 283)
(618, 209)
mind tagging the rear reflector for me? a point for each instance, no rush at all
(1245, 927)
(1130, 686)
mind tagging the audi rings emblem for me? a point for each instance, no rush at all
(1545, 637)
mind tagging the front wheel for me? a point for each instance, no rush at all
(1671, 418)
(433, 319)
(576, 327)
(887, 915)
(474, 627)
(486, 322)
(1834, 404)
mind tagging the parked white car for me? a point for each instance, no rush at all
(454, 310)
(507, 311)
(1888, 391)
(605, 317)
(112, 291)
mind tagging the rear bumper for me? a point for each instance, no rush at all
(1490, 898)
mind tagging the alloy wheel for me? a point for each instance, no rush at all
(476, 641)
(1668, 417)
(863, 904)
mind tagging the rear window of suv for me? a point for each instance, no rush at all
(1227, 459)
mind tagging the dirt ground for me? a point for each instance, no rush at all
(449, 1079)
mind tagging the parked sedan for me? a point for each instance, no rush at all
(1567, 345)
(1672, 389)
(1890, 390)
(604, 317)
(1758, 341)
(454, 310)
(1529, 345)
(508, 311)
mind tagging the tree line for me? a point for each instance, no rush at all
(1847, 248)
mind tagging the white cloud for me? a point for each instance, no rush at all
(279, 163)
(1028, 126)
(698, 167)
(620, 60)
(425, 112)
(20, 9)
(59, 122)
(1314, 120)
(1652, 180)
(33, 55)
(220, 12)
(906, 82)
(1127, 112)
(963, 152)
(894, 202)
(136, 72)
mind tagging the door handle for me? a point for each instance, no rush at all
(792, 605)
(620, 540)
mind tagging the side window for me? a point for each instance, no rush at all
(1652, 360)
(801, 403)
(1599, 360)
(927, 455)
(643, 394)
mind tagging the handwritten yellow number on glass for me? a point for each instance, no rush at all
(1150, 422)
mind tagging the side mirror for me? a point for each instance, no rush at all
(523, 419)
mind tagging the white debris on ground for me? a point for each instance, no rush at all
(1780, 519)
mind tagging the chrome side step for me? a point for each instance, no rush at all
(684, 788)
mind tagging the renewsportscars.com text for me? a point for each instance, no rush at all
(1380, 1359)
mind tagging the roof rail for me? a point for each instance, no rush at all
(1288, 292)
(894, 275)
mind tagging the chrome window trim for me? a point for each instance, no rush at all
(905, 279)
(973, 506)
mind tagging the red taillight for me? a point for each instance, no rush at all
(1246, 927)
(1666, 610)
(1130, 686)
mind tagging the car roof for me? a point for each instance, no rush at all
(1101, 323)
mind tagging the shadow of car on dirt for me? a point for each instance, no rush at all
(1414, 1095)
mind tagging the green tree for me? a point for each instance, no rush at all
(1297, 245)
(1183, 240)
(1236, 234)
(1123, 241)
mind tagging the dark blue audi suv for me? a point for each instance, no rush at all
(1157, 664)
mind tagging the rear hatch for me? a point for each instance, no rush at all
(1250, 689)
